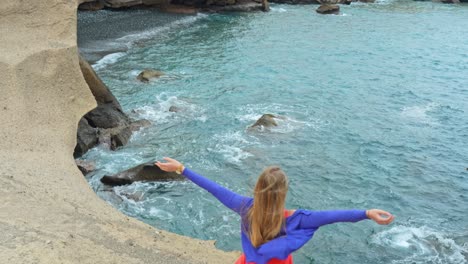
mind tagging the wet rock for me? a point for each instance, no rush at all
(296, 2)
(144, 172)
(328, 9)
(148, 74)
(85, 166)
(266, 120)
(174, 109)
(107, 116)
(87, 137)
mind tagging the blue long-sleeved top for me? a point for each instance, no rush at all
(300, 226)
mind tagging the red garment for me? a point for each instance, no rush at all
(289, 260)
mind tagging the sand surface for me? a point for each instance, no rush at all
(48, 213)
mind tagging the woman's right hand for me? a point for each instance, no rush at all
(170, 165)
(381, 217)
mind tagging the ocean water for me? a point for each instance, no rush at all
(375, 114)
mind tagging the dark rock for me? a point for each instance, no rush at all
(122, 3)
(92, 6)
(87, 137)
(238, 7)
(107, 116)
(450, 1)
(148, 74)
(174, 109)
(296, 2)
(115, 137)
(120, 137)
(85, 166)
(144, 172)
(267, 120)
(328, 9)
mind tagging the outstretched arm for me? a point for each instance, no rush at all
(315, 219)
(227, 197)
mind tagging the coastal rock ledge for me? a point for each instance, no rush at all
(49, 214)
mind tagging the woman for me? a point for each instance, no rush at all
(270, 233)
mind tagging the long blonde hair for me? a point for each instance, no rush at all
(266, 216)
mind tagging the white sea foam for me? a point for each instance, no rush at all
(160, 214)
(159, 112)
(420, 113)
(278, 9)
(232, 146)
(423, 245)
(108, 59)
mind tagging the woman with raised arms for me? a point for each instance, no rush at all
(270, 232)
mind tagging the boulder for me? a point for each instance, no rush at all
(450, 1)
(143, 172)
(85, 166)
(107, 116)
(87, 137)
(148, 74)
(174, 109)
(328, 9)
(266, 120)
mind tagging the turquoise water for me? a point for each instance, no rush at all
(375, 108)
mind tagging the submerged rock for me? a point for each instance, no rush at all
(174, 109)
(144, 172)
(266, 120)
(328, 9)
(148, 74)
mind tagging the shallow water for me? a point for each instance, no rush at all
(375, 112)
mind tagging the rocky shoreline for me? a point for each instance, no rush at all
(49, 214)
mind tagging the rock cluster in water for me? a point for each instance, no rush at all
(107, 123)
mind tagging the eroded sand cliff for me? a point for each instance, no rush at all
(48, 213)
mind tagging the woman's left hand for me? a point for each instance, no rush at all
(169, 166)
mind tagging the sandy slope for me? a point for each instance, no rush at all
(48, 213)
